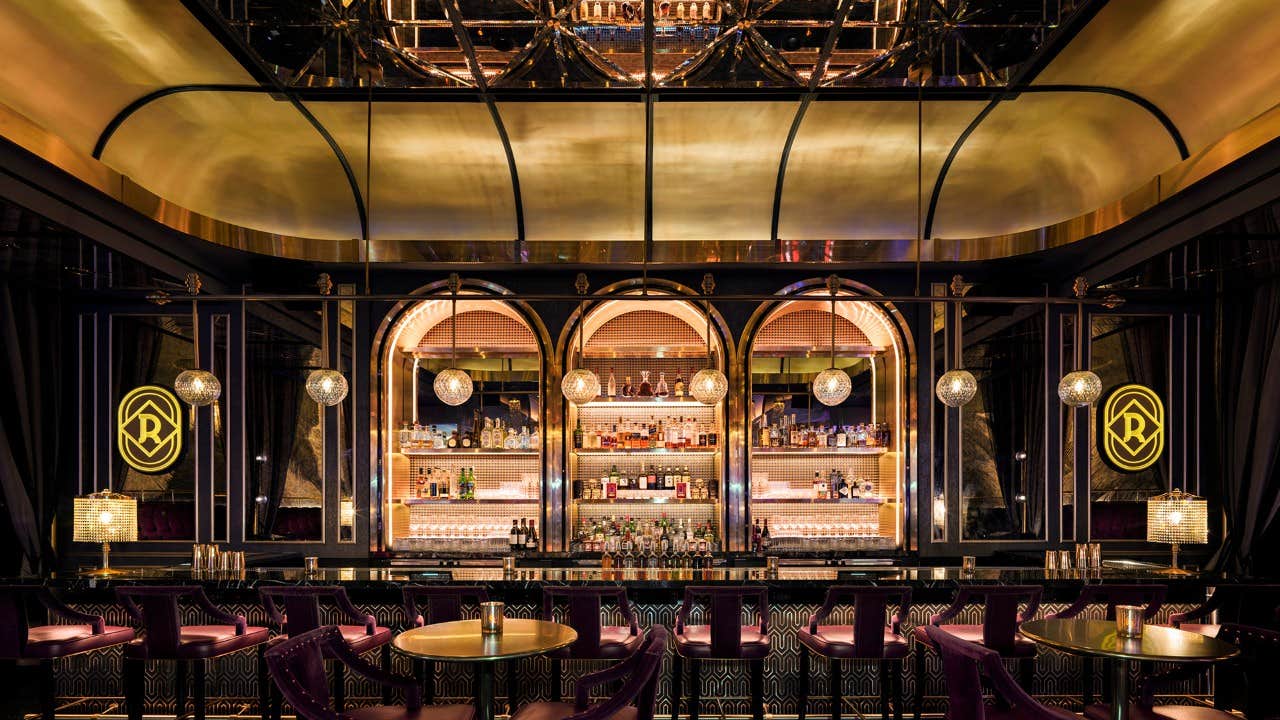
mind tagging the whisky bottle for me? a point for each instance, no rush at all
(646, 390)
(662, 390)
(679, 386)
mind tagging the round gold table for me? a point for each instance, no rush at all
(1099, 639)
(462, 641)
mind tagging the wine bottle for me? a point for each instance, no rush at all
(612, 389)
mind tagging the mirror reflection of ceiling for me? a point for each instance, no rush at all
(522, 128)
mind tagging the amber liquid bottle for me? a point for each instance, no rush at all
(646, 390)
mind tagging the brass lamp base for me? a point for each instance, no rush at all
(1173, 568)
(106, 570)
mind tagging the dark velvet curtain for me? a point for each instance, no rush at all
(1248, 391)
(1014, 398)
(31, 457)
(272, 406)
(131, 368)
(1146, 357)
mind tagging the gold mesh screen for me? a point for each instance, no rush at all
(645, 513)
(494, 471)
(643, 330)
(105, 517)
(479, 329)
(795, 470)
(807, 330)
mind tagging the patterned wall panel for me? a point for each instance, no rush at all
(95, 678)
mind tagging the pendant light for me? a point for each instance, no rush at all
(196, 387)
(453, 386)
(957, 386)
(1081, 387)
(326, 385)
(708, 386)
(580, 385)
(832, 386)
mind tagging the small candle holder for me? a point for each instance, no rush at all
(1082, 556)
(968, 564)
(491, 614)
(1095, 555)
(509, 565)
(1129, 621)
(1051, 560)
(771, 566)
(311, 564)
(1064, 559)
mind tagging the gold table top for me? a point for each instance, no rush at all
(462, 640)
(1098, 638)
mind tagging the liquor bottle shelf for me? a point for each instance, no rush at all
(649, 451)
(820, 451)
(635, 402)
(477, 501)
(468, 451)
(817, 501)
(647, 501)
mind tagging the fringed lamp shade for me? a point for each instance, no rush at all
(105, 517)
(1177, 518)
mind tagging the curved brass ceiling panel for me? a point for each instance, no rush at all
(1211, 66)
(1046, 157)
(243, 158)
(439, 170)
(715, 168)
(581, 168)
(852, 171)
(71, 65)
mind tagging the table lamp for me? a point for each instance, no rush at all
(1177, 518)
(105, 517)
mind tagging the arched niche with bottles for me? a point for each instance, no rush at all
(457, 478)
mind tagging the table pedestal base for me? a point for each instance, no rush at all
(1120, 688)
(484, 691)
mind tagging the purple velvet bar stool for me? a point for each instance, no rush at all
(295, 610)
(297, 666)
(1150, 597)
(636, 698)
(430, 604)
(998, 630)
(966, 665)
(1258, 666)
(595, 640)
(20, 640)
(724, 637)
(165, 637)
(868, 638)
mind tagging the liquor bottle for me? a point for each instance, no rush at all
(531, 539)
(513, 538)
(606, 560)
(421, 483)
(577, 435)
(765, 539)
(520, 534)
(679, 386)
(404, 437)
(524, 437)
(628, 390)
(755, 536)
(612, 389)
(646, 390)
(465, 439)
(662, 390)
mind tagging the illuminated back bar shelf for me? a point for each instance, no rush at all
(429, 507)
(607, 439)
(799, 447)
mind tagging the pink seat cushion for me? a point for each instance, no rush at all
(695, 642)
(836, 641)
(616, 641)
(1022, 647)
(560, 710)
(397, 712)
(1102, 711)
(1029, 713)
(1201, 628)
(205, 641)
(359, 639)
(55, 641)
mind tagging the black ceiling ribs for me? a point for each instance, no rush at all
(1150, 107)
(240, 50)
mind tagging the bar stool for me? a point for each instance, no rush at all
(1150, 597)
(430, 604)
(723, 638)
(297, 667)
(301, 614)
(164, 637)
(20, 640)
(595, 640)
(998, 630)
(868, 638)
(966, 665)
(635, 700)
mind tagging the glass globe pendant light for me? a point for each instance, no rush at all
(708, 386)
(832, 386)
(957, 386)
(196, 387)
(580, 385)
(1081, 387)
(325, 385)
(453, 386)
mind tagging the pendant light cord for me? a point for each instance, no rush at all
(193, 286)
(454, 284)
